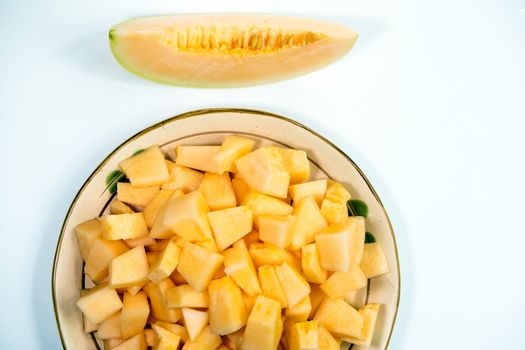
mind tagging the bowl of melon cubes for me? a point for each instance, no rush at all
(226, 229)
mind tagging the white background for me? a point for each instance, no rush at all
(430, 103)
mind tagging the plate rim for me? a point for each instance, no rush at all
(198, 112)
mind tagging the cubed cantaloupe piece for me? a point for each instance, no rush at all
(133, 290)
(89, 327)
(317, 296)
(134, 314)
(218, 191)
(182, 178)
(240, 188)
(137, 196)
(369, 313)
(208, 244)
(159, 229)
(194, 321)
(252, 237)
(301, 311)
(230, 225)
(185, 296)
(99, 303)
(206, 341)
(129, 269)
(296, 164)
(227, 309)
(339, 318)
(264, 327)
(316, 189)
(276, 229)
(232, 148)
(333, 206)
(267, 254)
(262, 204)
(356, 298)
(374, 262)
(101, 254)
(146, 168)
(340, 283)
(123, 226)
(304, 336)
(186, 217)
(165, 263)
(308, 222)
(239, 266)
(270, 285)
(249, 301)
(294, 285)
(151, 337)
(312, 270)
(86, 234)
(198, 265)
(167, 340)
(198, 157)
(153, 208)
(117, 207)
(326, 340)
(263, 170)
(357, 224)
(138, 342)
(337, 245)
(110, 328)
(156, 294)
(143, 241)
(176, 329)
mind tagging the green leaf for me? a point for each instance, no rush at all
(138, 151)
(369, 238)
(113, 178)
(357, 207)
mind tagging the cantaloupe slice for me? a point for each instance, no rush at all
(227, 50)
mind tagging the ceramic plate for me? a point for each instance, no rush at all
(209, 127)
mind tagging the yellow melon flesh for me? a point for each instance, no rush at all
(227, 50)
(99, 303)
(138, 196)
(165, 263)
(230, 225)
(239, 266)
(308, 222)
(198, 265)
(206, 341)
(180, 177)
(175, 329)
(270, 285)
(232, 147)
(369, 313)
(340, 319)
(317, 189)
(264, 326)
(101, 254)
(267, 254)
(117, 207)
(129, 269)
(304, 336)
(276, 229)
(198, 157)
(159, 229)
(262, 204)
(228, 312)
(156, 295)
(194, 321)
(153, 208)
(138, 342)
(296, 164)
(340, 283)
(185, 296)
(167, 339)
(300, 311)
(374, 262)
(218, 191)
(294, 285)
(326, 341)
(134, 314)
(312, 270)
(123, 226)
(146, 168)
(86, 233)
(337, 247)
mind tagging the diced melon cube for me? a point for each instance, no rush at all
(276, 229)
(138, 196)
(312, 270)
(110, 328)
(374, 262)
(337, 245)
(137, 342)
(134, 314)
(232, 148)
(262, 204)
(267, 254)
(89, 326)
(294, 285)
(165, 263)
(146, 168)
(227, 309)
(111, 343)
(308, 222)
(359, 231)
(99, 303)
(194, 321)
(264, 326)
(263, 170)
(185, 296)
(234, 339)
(316, 298)
(167, 340)
(123, 226)
(143, 241)
(316, 189)
(197, 266)
(159, 229)
(249, 301)
(117, 207)
(208, 244)
(218, 191)
(156, 295)
(230, 225)
(301, 311)
(182, 178)
(333, 206)
(304, 336)
(86, 233)
(198, 157)
(151, 337)
(206, 341)
(270, 285)
(186, 217)
(296, 164)
(177, 278)
(129, 269)
(340, 283)
(326, 341)
(153, 208)
(175, 329)
(369, 313)
(133, 290)
(101, 254)
(339, 318)
(240, 188)
(252, 237)
(239, 266)
(356, 298)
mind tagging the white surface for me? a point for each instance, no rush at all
(430, 104)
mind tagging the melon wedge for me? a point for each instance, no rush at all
(227, 50)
